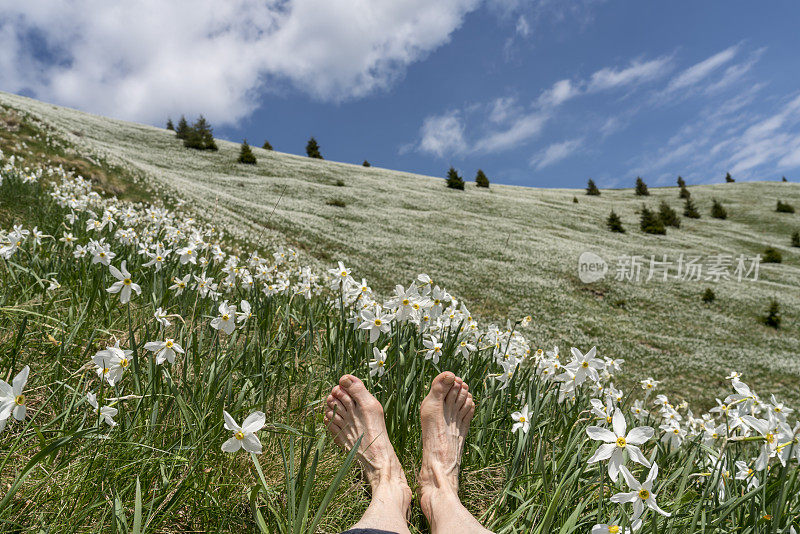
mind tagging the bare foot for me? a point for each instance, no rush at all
(353, 412)
(446, 413)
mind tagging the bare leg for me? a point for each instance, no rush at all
(446, 413)
(353, 412)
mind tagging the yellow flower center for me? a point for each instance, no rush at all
(225, 317)
(608, 419)
(343, 274)
(102, 254)
(405, 302)
(127, 281)
(123, 362)
(585, 365)
(106, 370)
(20, 400)
(239, 435)
(169, 344)
(378, 322)
(770, 438)
(613, 529)
(522, 419)
(380, 363)
(621, 442)
(676, 431)
(644, 494)
(159, 258)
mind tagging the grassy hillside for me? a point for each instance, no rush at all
(508, 251)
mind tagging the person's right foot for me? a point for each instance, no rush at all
(446, 413)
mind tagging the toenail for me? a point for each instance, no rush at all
(345, 382)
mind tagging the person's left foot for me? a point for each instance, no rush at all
(353, 412)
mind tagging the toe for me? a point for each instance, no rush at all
(343, 400)
(463, 394)
(335, 418)
(356, 389)
(452, 395)
(442, 384)
(468, 410)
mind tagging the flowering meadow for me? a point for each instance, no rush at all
(158, 377)
(507, 251)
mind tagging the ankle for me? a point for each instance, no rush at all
(433, 498)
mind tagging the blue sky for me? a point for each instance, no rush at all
(537, 93)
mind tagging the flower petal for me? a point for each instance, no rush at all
(601, 434)
(603, 452)
(618, 423)
(254, 422)
(639, 435)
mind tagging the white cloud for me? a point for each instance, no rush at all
(699, 71)
(521, 129)
(555, 153)
(523, 28)
(560, 92)
(147, 60)
(638, 72)
(443, 135)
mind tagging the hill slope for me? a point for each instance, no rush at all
(509, 251)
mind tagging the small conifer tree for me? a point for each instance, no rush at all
(784, 207)
(650, 223)
(684, 193)
(681, 182)
(246, 155)
(718, 211)
(170, 126)
(709, 296)
(784, 179)
(454, 181)
(796, 239)
(574, 200)
(773, 317)
(182, 131)
(614, 223)
(689, 209)
(668, 215)
(312, 149)
(772, 255)
(481, 180)
(728, 178)
(641, 187)
(200, 136)
(591, 189)
(366, 164)
(266, 146)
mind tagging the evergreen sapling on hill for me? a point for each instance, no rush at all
(266, 146)
(796, 239)
(170, 126)
(684, 193)
(709, 296)
(718, 211)
(200, 136)
(246, 155)
(591, 189)
(773, 317)
(650, 223)
(614, 223)
(681, 182)
(668, 215)
(728, 178)
(454, 181)
(481, 180)
(183, 128)
(641, 188)
(689, 209)
(366, 164)
(772, 255)
(784, 207)
(312, 149)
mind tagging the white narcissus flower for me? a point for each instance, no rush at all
(521, 420)
(377, 366)
(245, 314)
(226, 321)
(244, 436)
(641, 495)
(112, 362)
(123, 285)
(434, 349)
(165, 350)
(12, 399)
(613, 528)
(106, 412)
(617, 442)
(376, 322)
(161, 317)
(585, 365)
